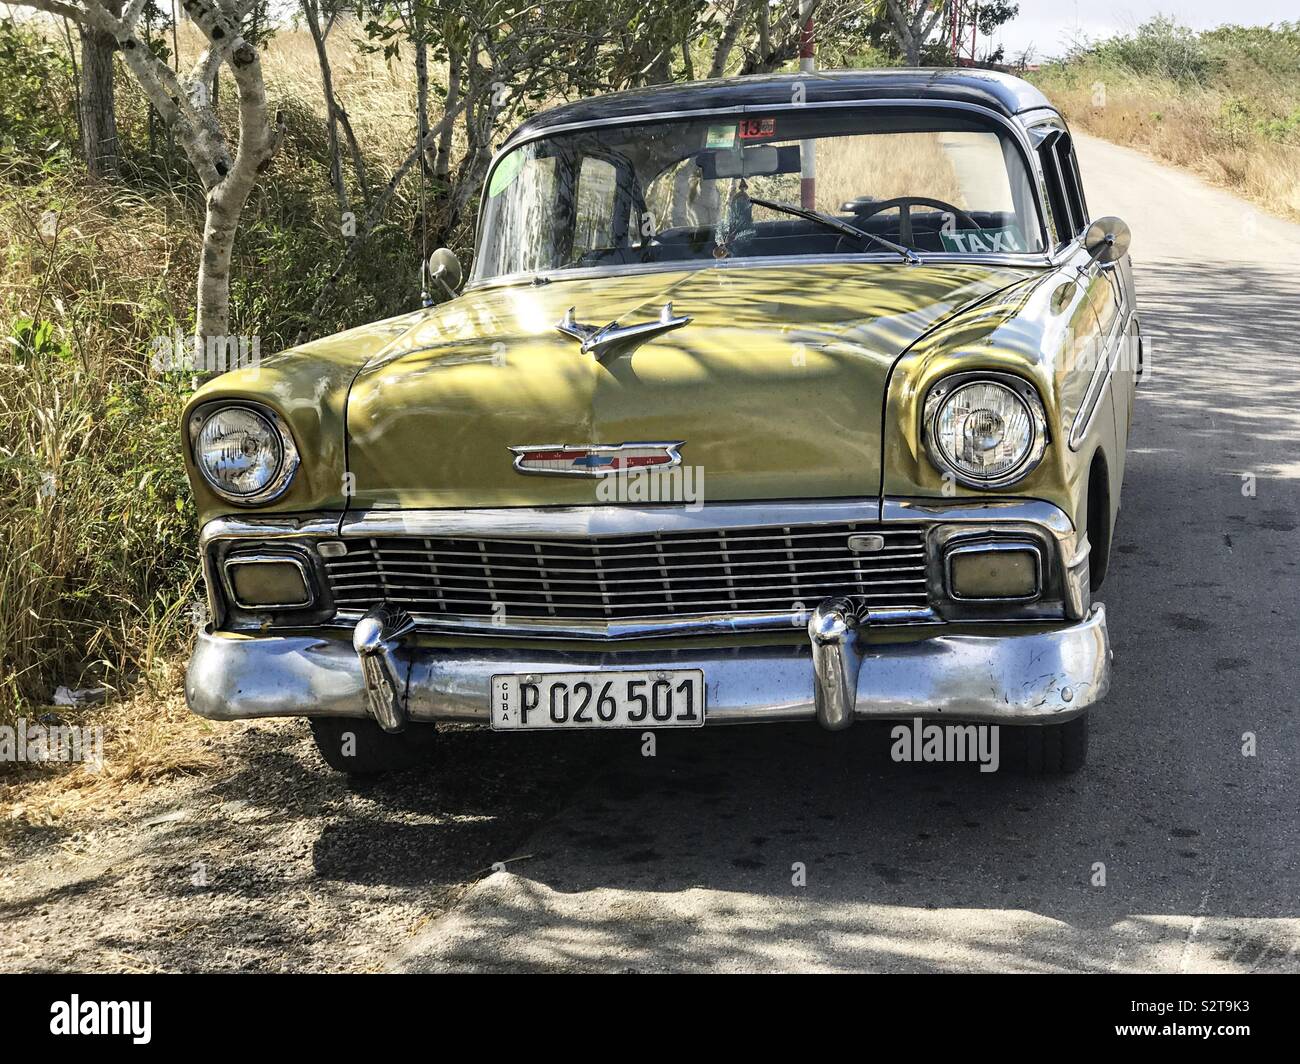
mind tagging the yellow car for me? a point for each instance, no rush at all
(779, 398)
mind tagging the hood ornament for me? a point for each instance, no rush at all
(606, 341)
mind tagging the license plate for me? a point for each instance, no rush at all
(658, 698)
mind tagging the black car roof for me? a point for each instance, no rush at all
(999, 92)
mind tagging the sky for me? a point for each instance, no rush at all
(1049, 24)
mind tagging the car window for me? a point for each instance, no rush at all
(524, 189)
(938, 182)
(594, 205)
(1068, 210)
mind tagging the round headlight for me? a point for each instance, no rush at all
(244, 454)
(987, 431)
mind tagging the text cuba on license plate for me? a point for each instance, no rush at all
(656, 698)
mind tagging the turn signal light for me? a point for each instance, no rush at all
(987, 572)
(262, 581)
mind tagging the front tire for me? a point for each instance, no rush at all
(360, 747)
(1046, 749)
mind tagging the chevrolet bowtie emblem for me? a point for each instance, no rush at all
(605, 341)
(595, 460)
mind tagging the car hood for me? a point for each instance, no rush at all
(775, 388)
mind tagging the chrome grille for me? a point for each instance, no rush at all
(634, 576)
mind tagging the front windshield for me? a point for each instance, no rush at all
(683, 190)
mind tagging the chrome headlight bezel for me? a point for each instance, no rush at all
(1024, 393)
(284, 471)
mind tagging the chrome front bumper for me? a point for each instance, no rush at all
(1043, 677)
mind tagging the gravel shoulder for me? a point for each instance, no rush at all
(272, 862)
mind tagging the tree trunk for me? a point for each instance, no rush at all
(225, 204)
(442, 161)
(337, 177)
(98, 121)
(727, 40)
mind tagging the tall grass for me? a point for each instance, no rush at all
(94, 544)
(1224, 103)
(97, 532)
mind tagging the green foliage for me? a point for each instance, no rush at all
(1161, 47)
(1272, 50)
(37, 125)
(1224, 102)
(36, 340)
(1283, 130)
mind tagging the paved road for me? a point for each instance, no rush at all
(685, 861)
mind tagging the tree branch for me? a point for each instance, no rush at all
(54, 7)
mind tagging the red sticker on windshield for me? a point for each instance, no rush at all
(752, 128)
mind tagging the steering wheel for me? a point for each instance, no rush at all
(905, 205)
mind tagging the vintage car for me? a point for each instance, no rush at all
(779, 398)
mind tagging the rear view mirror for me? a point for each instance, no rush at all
(444, 268)
(1107, 239)
(759, 160)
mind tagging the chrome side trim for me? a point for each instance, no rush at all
(1099, 382)
(1043, 677)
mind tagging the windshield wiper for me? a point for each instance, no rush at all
(831, 222)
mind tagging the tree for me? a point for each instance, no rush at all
(913, 22)
(186, 106)
(98, 116)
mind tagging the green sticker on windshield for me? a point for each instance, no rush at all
(507, 170)
(1007, 238)
(721, 136)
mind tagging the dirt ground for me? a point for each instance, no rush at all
(264, 860)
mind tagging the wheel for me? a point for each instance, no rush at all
(1046, 749)
(362, 748)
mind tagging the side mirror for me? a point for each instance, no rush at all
(444, 268)
(1107, 240)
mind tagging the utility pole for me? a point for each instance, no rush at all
(807, 148)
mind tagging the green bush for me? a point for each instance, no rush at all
(37, 121)
(1161, 48)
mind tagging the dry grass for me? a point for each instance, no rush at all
(885, 166)
(1224, 104)
(97, 536)
(1180, 130)
(89, 480)
(378, 95)
(148, 738)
